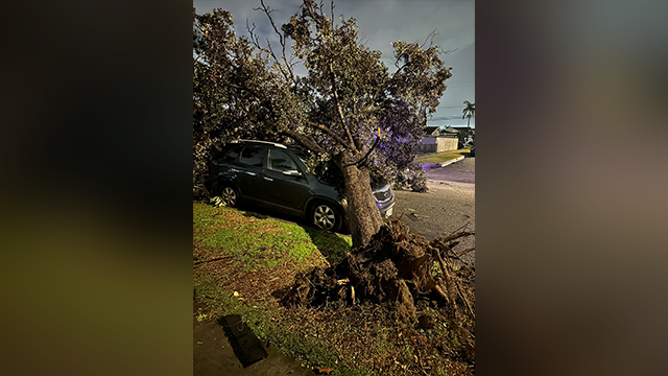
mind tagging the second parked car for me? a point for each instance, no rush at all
(273, 176)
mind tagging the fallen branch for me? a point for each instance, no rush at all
(215, 259)
(449, 280)
(462, 253)
(445, 272)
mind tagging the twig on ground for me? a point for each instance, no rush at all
(462, 253)
(215, 259)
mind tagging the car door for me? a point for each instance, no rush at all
(286, 192)
(224, 167)
(249, 177)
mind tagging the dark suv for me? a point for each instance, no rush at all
(273, 176)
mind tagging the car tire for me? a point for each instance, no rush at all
(325, 216)
(230, 195)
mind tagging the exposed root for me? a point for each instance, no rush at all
(396, 269)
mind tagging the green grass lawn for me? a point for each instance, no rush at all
(443, 156)
(242, 264)
(261, 243)
(239, 260)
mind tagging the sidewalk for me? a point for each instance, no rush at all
(430, 161)
(213, 354)
(430, 166)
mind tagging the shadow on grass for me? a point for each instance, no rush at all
(331, 246)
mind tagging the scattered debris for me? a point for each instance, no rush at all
(217, 201)
(397, 270)
(213, 259)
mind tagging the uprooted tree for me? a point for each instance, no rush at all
(399, 270)
(348, 108)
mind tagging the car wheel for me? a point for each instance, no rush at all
(325, 217)
(230, 196)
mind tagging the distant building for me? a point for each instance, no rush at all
(437, 140)
(432, 131)
(449, 132)
(464, 133)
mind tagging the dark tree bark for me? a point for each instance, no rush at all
(366, 219)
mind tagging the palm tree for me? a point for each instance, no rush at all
(469, 112)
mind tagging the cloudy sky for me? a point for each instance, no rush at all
(382, 22)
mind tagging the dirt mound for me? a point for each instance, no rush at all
(400, 271)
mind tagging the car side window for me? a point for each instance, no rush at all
(280, 161)
(252, 155)
(231, 156)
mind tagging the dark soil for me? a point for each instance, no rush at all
(401, 273)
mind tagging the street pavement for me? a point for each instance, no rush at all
(462, 172)
(448, 206)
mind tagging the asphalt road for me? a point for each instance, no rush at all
(448, 206)
(462, 172)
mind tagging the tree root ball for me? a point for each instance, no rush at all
(395, 268)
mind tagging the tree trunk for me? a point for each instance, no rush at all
(363, 214)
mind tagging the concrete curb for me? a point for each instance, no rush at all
(432, 166)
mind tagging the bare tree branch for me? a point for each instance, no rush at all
(254, 39)
(305, 141)
(430, 37)
(312, 12)
(281, 39)
(338, 107)
(280, 66)
(286, 70)
(331, 134)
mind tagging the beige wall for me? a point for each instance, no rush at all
(438, 144)
(445, 144)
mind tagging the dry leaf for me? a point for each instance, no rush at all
(325, 370)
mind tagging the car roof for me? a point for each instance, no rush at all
(259, 142)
